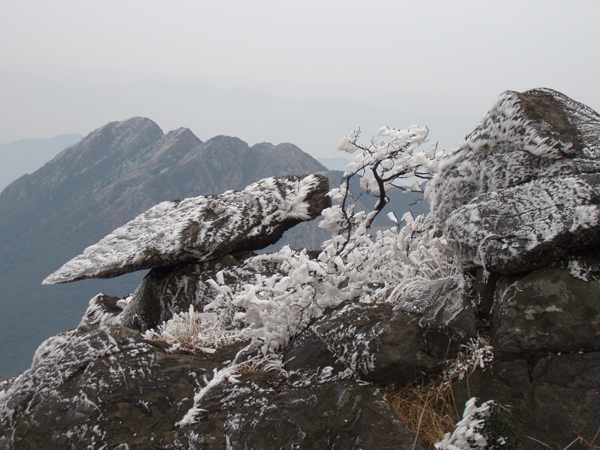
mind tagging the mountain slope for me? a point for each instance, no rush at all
(27, 155)
(89, 189)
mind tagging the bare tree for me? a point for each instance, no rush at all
(380, 165)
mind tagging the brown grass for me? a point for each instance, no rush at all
(426, 407)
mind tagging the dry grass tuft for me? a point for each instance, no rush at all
(427, 408)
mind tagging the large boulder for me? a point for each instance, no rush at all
(540, 133)
(552, 400)
(528, 226)
(379, 344)
(547, 310)
(106, 387)
(202, 228)
(522, 189)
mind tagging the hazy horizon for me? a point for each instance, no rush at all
(431, 58)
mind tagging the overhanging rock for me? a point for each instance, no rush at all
(202, 228)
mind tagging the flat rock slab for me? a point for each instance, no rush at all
(202, 228)
(527, 226)
(106, 387)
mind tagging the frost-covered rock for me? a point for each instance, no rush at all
(522, 189)
(379, 344)
(547, 310)
(552, 400)
(527, 226)
(524, 136)
(101, 386)
(202, 228)
(103, 310)
(106, 387)
(171, 290)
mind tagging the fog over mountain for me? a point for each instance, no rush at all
(40, 108)
(27, 155)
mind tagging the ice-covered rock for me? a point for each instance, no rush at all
(167, 291)
(522, 189)
(527, 226)
(379, 344)
(106, 387)
(202, 228)
(540, 133)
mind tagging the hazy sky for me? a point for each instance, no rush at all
(438, 57)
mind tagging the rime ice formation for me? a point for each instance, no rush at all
(536, 134)
(521, 189)
(107, 387)
(201, 228)
(529, 225)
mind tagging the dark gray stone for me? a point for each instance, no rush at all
(527, 226)
(547, 310)
(267, 413)
(106, 386)
(550, 402)
(378, 344)
(171, 290)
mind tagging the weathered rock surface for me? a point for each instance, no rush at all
(528, 226)
(379, 344)
(547, 310)
(105, 386)
(554, 401)
(170, 290)
(202, 228)
(524, 136)
(522, 188)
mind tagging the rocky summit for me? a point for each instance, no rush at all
(521, 189)
(374, 342)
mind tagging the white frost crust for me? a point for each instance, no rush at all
(508, 148)
(507, 123)
(518, 220)
(96, 315)
(578, 271)
(57, 360)
(219, 376)
(466, 434)
(192, 330)
(159, 232)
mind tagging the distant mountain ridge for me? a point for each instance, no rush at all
(35, 108)
(115, 173)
